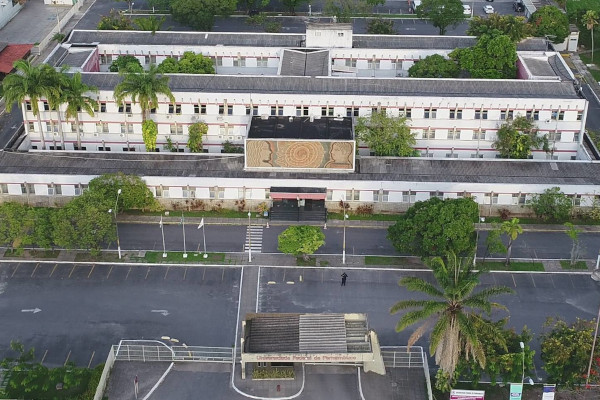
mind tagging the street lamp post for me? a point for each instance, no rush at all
(249, 238)
(523, 353)
(344, 239)
(587, 378)
(115, 211)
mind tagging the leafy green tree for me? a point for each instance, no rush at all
(229, 147)
(127, 63)
(436, 227)
(590, 19)
(42, 227)
(151, 24)
(115, 21)
(552, 205)
(16, 225)
(292, 4)
(516, 139)
(573, 233)
(386, 136)
(76, 96)
(550, 21)
(344, 9)
(442, 13)
(434, 66)
(134, 192)
(190, 63)
(200, 14)
(196, 134)
(453, 314)
(249, 5)
(168, 66)
(380, 26)
(84, 223)
(512, 229)
(301, 240)
(493, 57)
(515, 27)
(149, 134)
(493, 243)
(566, 351)
(503, 355)
(143, 87)
(30, 82)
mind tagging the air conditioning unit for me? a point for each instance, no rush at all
(96, 134)
(168, 117)
(130, 115)
(122, 135)
(219, 118)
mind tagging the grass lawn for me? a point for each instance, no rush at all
(301, 262)
(380, 260)
(177, 257)
(103, 257)
(566, 264)
(514, 266)
(32, 253)
(536, 221)
(587, 58)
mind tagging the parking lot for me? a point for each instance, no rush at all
(75, 312)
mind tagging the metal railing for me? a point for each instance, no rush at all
(402, 357)
(158, 352)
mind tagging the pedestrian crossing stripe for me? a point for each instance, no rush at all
(254, 236)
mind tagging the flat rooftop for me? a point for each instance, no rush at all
(369, 168)
(279, 127)
(353, 86)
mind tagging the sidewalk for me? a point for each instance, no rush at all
(369, 224)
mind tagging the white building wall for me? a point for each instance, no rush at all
(8, 9)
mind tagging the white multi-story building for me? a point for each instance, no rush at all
(327, 72)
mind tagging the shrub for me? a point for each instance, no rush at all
(366, 209)
(273, 373)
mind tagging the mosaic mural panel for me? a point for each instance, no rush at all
(299, 154)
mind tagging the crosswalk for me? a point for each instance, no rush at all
(254, 235)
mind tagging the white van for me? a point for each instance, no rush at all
(467, 9)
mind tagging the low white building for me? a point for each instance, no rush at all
(8, 9)
(327, 72)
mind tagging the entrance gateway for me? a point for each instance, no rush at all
(298, 204)
(276, 339)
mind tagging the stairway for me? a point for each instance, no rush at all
(298, 214)
(254, 235)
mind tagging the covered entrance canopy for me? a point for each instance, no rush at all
(310, 338)
(298, 193)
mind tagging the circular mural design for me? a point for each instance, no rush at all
(300, 154)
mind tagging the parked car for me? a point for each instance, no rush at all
(518, 6)
(467, 9)
(488, 9)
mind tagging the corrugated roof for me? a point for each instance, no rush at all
(354, 86)
(370, 168)
(12, 53)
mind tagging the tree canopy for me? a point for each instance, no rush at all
(442, 13)
(434, 66)
(196, 134)
(344, 9)
(516, 139)
(515, 27)
(291, 5)
(301, 240)
(115, 21)
(452, 314)
(189, 63)
(436, 227)
(134, 192)
(151, 24)
(552, 22)
(493, 57)
(386, 136)
(127, 63)
(552, 204)
(380, 26)
(200, 14)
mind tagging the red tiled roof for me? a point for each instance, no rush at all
(12, 53)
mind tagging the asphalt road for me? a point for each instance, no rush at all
(9, 124)
(537, 297)
(85, 310)
(359, 241)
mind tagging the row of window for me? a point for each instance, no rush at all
(379, 196)
(328, 111)
(239, 61)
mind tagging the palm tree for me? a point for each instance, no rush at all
(77, 100)
(453, 314)
(512, 229)
(151, 23)
(590, 19)
(143, 87)
(29, 82)
(56, 97)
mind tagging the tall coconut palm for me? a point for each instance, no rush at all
(75, 95)
(29, 82)
(512, 229)
(590, 19)
(453, 315)
(56, 97)
(143, 88)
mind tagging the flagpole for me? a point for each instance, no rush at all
(183, 226)
(162, 230)
(204, 236)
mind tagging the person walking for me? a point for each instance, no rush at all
(344, 276)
